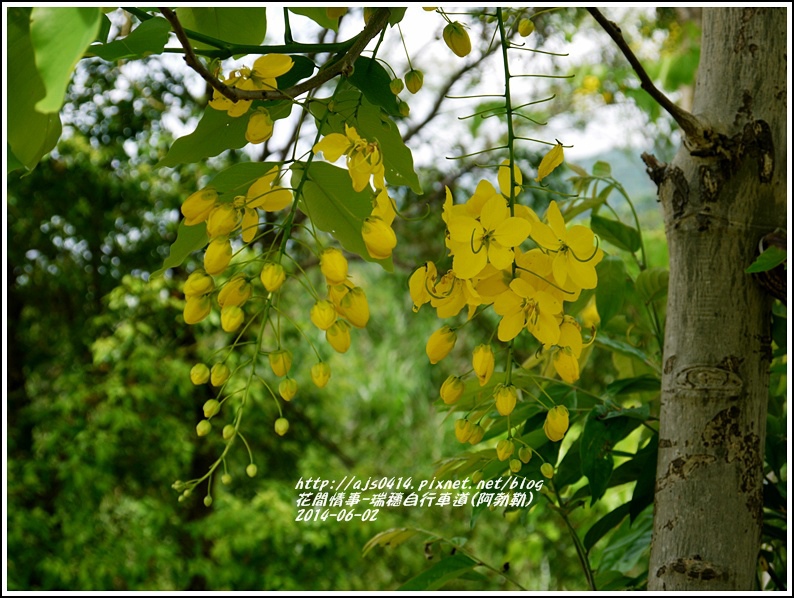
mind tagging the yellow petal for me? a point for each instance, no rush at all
(550, 161)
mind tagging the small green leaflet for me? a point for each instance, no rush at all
(188, 240)
(619, 234)
(439, 574)
(147, 38)
(771, 258)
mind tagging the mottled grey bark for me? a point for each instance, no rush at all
(720, 195)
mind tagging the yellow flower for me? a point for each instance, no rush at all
(288, 388)
(451, 390)
(566, 358)
(280, 362)
(198, 283)
(575, 253)
(323, 314)
(235, 292)
(477, 434)
(219, 374)
(338, 336)
(504, 179)
(483, 363)
(321, 374)
(463, 430)
(556, 423)
(506, 398)
(440, 344)
(333, 265)
(250, 224)
(550, 161)
(196, 309)
(355, 307)
(423, 279)
(378, 237)
(217, 256)
(261, 77)
(457, 39)
(260, 127)
(272, 276)
(197, 207)
(199, 374)
(232, 318)
(266, 194)
(504, 448)
(490, 239)
(523, 306)
(364, 159)
(223, 219)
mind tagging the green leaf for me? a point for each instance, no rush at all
(629, 544)
(373, 80)
(602, 169)
(398, 161)
(60, 37)
(318, 15)
(439, 574)
(12, 162)
(626, 386)
(624, 348)
(569, 470)
(188, 240)
(599, 436)
(236, 179)
(397, 15)
(646, 482)
(235, 25)
(613, 284)
(331, 203)
(390, 537)
(651, 284)
(600, 528)
(31, 134)
(771, 258)
(216, 132)
(619, 234)
(147, 38)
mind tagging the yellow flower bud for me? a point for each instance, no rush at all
(525, 454)
(198, 283)
(504, 448)
(321, 373)
(483, 363)
(547, 469)
(556, 423)
(338, 336)
(196, 309)
(222, 220)
(199, 374)
(323, 314)
(355, 307)
(232, 317)
(476, 434)
(220, 373)
(203, 427)
(211, 408)
(440, 344)
(404, 108)
(280, 362)
(414, 80)
(260, 127)
(251, 470)
(287, 388)
(197, 207)
(452, 390)
(378, 237)
(463, 430)
(282, 425)
(217, 256)
(457, 39)
(506, 397)
(525, 27)
(235, 292)
(515, 465)
(273, 276)
(228, 431)
(333, 265)
(396, 85)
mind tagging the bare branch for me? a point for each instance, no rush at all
(374, 26)
(691, 126)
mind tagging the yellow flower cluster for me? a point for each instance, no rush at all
(262, 77)
(365, 163)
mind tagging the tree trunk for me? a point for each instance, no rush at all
(720, 196)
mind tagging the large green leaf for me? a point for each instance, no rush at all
(619, 234)
(188, 240)
(398, 161)
(235, 25)
(147, 38)
(599, 436)
(331, 203)
(613, 282)
(31, 134)
(646, 482)
(651, 284)
(441, 573)
(60, 37)
(600, 528)
(373, 80)
(629, 544)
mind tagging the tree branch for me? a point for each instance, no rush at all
(691, 126)
(375, 25)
